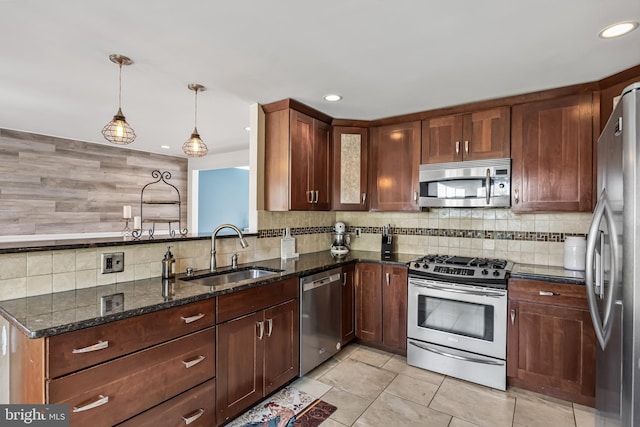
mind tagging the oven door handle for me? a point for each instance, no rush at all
(455, 356)
(462, 291)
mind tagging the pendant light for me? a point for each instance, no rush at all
(118, 130)
(194, 147)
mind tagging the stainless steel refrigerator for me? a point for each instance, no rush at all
(613, 266)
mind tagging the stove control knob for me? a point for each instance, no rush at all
(416, 265)
(496, 273)
(485, 272)
(425, 266)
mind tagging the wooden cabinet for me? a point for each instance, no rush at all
(116, 371)
(551, 344)
(381, 305)
(394, 307)
(258, 348)
(552, 155)
(395, 167)
(296, 161)
(349, 155)
(348, 305)
(473, 136)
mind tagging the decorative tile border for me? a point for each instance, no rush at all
(531, 236)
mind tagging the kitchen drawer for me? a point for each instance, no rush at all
(126, 386)
(76, 350)
(244, 302)
(550, 293)
(195, 407)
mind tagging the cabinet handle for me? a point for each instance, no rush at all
(310, 196)
(466, 147)
(101, 345)
(364, 198)
(191, 319)
(547, 294)
(344, 279)
(260, 326)
(415, 196)
(90, 404)
(193, 362)
(513, 316)
(516, 195)
(269, 327)
(189, 418)
(457, 147)
(388, 279)
(316, 194)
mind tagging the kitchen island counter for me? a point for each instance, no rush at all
(59, 312)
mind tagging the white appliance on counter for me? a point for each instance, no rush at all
(612, 272)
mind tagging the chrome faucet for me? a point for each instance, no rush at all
(243, 241)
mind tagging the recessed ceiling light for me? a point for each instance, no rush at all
(166, 147)
(332, 97)
(617, 30)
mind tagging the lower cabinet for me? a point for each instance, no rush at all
(348, 306)
(551, 344)
(381, 305)
(258, 352)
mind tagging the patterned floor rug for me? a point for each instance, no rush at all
(284, 409)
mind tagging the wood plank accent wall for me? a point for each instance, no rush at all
(51, 185)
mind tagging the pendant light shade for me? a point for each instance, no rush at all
(118, 131)
(194, 146)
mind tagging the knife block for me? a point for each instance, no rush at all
(387, 246)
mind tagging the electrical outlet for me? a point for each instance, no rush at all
(111, 304)
(112, 263)
(358, 232)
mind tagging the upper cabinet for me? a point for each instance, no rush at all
(349, 153)
(296, 161)
(473, 136)
(552, 155)
(394, 167)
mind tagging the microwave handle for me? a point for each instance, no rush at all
(488, 185)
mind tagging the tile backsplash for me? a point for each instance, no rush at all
(497, 233)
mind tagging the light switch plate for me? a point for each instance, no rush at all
(113, 303)
(112, 263)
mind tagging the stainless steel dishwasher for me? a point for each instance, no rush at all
(320, 318)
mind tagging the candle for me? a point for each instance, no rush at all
(126, 212)
(137, 223)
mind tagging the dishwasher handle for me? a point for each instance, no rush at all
(322, 281)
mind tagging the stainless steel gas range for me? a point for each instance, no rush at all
(457, 317)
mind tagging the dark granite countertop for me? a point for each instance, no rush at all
(547, 273)
(54, 245)
(60, 312)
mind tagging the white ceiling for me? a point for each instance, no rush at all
(385, 57)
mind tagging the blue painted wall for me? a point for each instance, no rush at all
(223, 197)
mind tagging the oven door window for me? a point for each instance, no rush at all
(456, 317)
(471, 188)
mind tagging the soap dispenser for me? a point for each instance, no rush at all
(168, 265)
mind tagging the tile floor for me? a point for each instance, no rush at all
(374, 388)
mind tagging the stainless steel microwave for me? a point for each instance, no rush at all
(476, 183)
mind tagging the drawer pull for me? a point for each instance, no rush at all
(193, 318)
(188, 419)
(547, 294)
(101, 345)
(189, 363)
(101, 400)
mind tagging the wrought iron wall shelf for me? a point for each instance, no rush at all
(161, 179)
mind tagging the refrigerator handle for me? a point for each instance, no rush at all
(601, 327)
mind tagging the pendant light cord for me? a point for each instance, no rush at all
(195, 124)
(120, 87)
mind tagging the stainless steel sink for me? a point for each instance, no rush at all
(217, 278)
